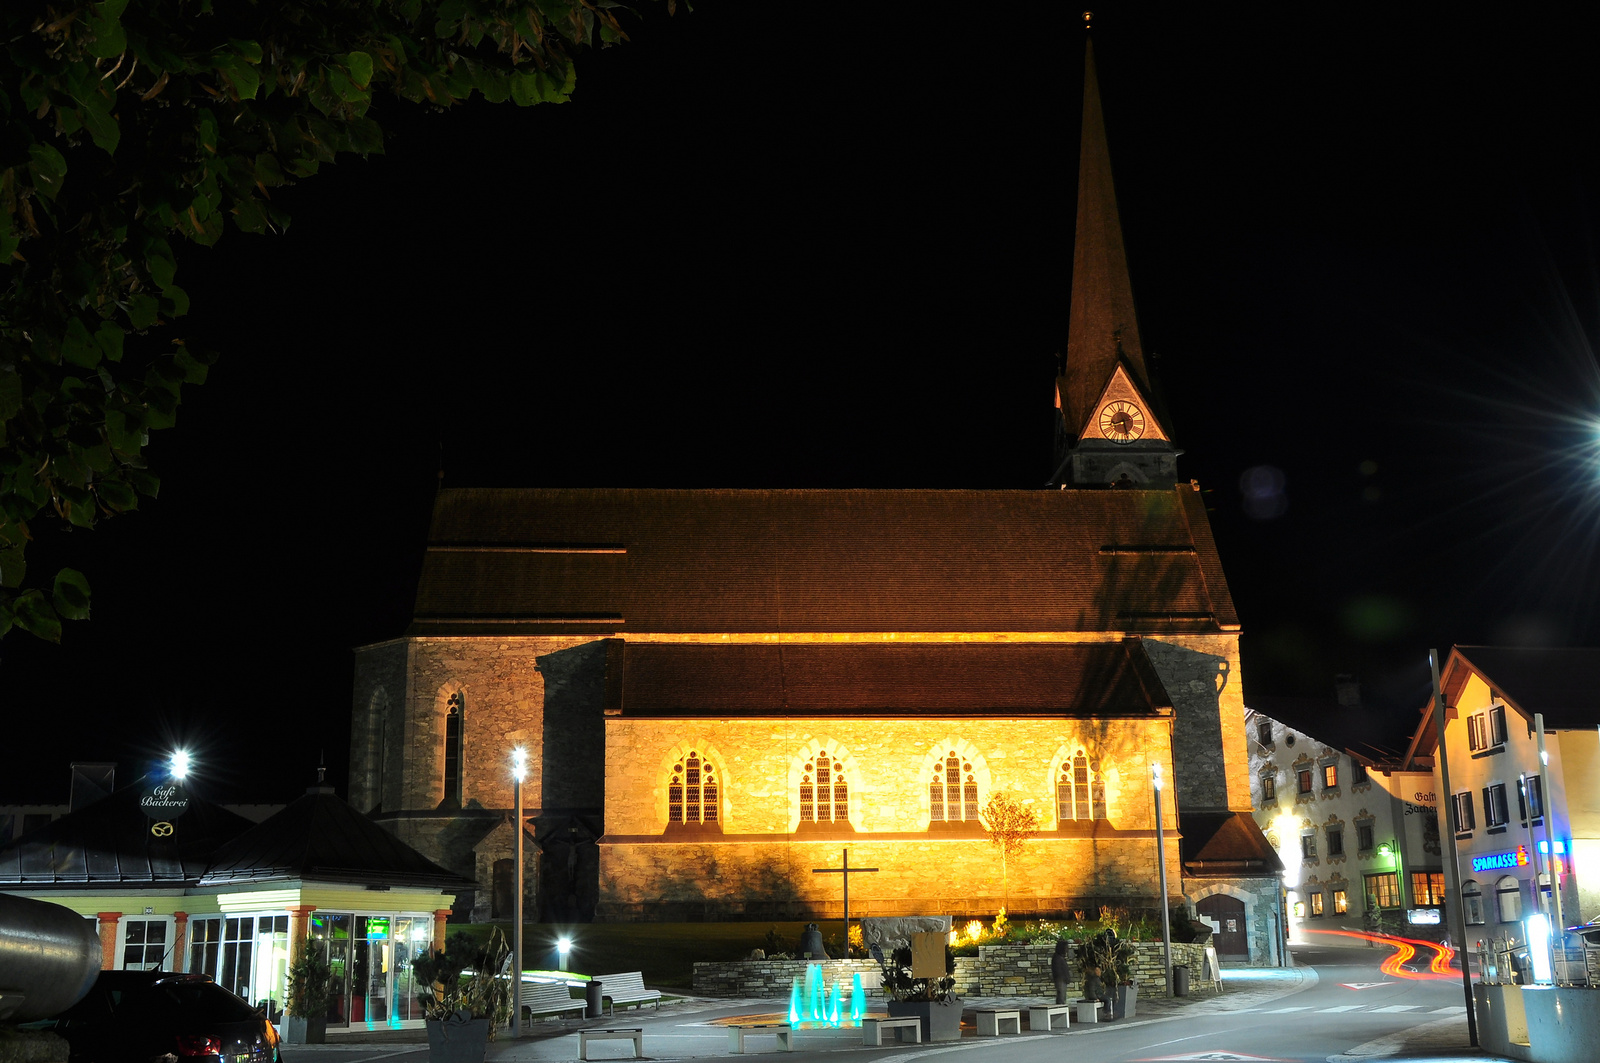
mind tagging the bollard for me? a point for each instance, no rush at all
(1180, 981)
(591, 996)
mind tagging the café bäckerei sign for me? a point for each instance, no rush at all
(163, 804)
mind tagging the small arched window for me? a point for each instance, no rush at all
(1508, 899)
(692, 793)
(1074, 795)
(452, 749)
(1472, 902)
(953, 791)
(824, 792)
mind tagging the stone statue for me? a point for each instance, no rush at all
(811, 943)
(1060, 970)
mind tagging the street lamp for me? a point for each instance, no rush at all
(519, 772)
(563, 947)
(180, 764)
(1161, 866)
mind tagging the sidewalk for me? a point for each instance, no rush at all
(686, 1027)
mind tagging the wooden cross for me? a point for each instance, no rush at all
(846, 871)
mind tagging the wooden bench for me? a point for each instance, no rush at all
(548, 998)
(1089, 1010)
(585, 1036)
(737, 1034)
(627, 988)
(1043, 1016)
(872, 1028)
(989, 1020)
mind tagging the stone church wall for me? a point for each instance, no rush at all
(1201, 674)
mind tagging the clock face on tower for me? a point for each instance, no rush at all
(1121, 422)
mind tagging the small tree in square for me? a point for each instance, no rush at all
(1010, 824)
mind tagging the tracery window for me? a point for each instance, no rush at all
(692, 793)
(1074, 795)
(452, 749)
(824, 792)
(953, 791)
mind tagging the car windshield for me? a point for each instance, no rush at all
(194, 1002)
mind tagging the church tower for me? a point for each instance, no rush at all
(1109, 428)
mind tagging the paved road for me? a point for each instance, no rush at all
(1311, 1016)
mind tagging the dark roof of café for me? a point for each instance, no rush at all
(320, 837)
(1218, 842)
(110, 843)
(614, 561)
(1081, 678)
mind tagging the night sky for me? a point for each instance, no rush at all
(793, 246)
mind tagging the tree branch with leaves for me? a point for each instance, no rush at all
(1010, 824)
(128, 129)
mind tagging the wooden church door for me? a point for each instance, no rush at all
(1227, 915)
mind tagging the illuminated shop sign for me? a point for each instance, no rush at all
(1496, 861)
(1561, 848)
(1423, 916)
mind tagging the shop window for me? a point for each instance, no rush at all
(452, 751)
(1330, 776)
(1364, 837)
(1472, 902)
(1530, 799)
(1358, 773)
(1316, 904)
(1383, 890)
(1461, 812)
(1303, 778)
(1308, 845)
(692, 792)
(1341, 902)
(1427, 888)
(144, 944)
(1074, 795)
(1494, 806)
(205, 942)
(953, 791)
(1508, 899)
(1269, 787)
(1335, 841)
(824, 793)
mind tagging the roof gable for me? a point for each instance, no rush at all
(1121, 388)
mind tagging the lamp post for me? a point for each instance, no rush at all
(519, 771)
(1161, 867)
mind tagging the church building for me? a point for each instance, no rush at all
(722, 690)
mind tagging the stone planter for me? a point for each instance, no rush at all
(1125, 998)
(941, 1019)
(298, 1031)
(457, 1040)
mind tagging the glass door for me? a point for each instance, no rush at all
(332, 930)
(369, 987)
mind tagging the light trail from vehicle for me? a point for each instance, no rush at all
(1405, 949)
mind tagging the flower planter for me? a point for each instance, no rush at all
(1125, 998)
(298, 1031)
(941, 1019)
(457, 1040)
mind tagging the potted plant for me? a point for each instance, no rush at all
(310, 991)
(1113, 956)
(465, 996)
(929, 999)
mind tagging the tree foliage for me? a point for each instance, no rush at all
(131, 128)
(1010, 824)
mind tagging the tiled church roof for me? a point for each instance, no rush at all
(1104, 679)
(597, 561)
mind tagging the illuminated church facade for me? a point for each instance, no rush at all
(721, 690)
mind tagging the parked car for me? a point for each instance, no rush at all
(150, 1016)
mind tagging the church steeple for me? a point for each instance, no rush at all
(1107, 431)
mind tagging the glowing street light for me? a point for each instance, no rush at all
(180, 764)
(1161, 866)
(519, 773)
(563, 947)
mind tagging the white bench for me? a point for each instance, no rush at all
(585, 1036)
(737, 1034)
(546, 998)
(627, 988)
(1089, 1010)
(989, 1020)
(872, 1028)
(1043, 1016)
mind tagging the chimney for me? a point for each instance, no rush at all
(1347, 691)
(90, 782)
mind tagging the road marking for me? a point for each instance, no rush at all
(1364, 985)
(1284, 1011)
(1395, 1008)
(1206, 1057)
(1456, 1010)
(1341, 1007)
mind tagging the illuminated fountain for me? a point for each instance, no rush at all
(812, 1006)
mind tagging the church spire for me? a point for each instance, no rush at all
(1104, 393)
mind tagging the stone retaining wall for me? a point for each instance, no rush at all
(997, 971)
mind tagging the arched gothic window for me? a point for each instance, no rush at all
(953, 791)
(452, 749)
(824, 792)
(692, 793)
(1074, 793)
